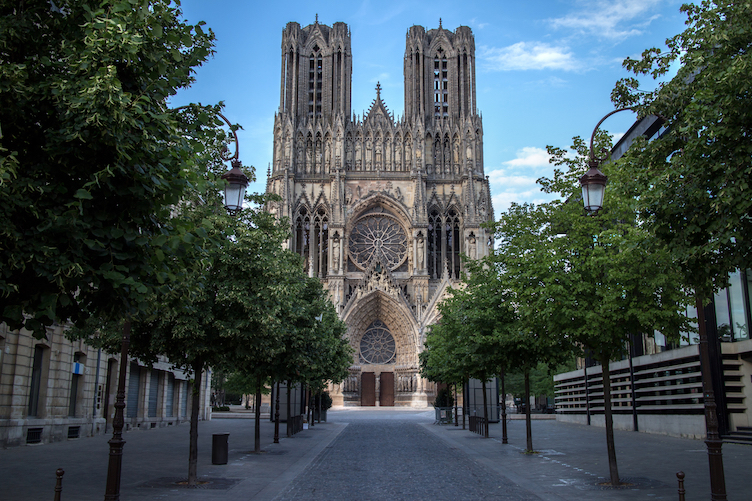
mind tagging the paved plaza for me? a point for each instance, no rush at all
(376, 454)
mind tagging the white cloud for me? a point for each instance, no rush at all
(502, 201)
(530, 156)
(502, 178)
(616, 19)
(474, 23)
(528, 56)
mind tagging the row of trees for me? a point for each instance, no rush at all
(113, 214)
(676, 223)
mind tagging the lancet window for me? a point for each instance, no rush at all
(440, 85)
(444, 245)
(312, 240)
(315, 82)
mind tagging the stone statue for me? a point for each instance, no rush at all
(421, 253)
(471, 247)
(335, 255)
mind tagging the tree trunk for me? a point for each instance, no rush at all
(308, 403)
(313, 410)
(321, 397)
(195, 405)
(485, 410)
(456, 418)
(504, 439)
(257, 425)
(276, 415)
(528, 420)
(612, 468)
(289, 421)
(464, 403)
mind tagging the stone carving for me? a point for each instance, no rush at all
(335, 254)
(421, 252)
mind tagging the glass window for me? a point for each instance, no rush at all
(739, 326)
(722, 318)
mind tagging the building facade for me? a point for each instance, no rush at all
(382, 209)
(55, 389)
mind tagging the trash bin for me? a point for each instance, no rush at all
(219, 448)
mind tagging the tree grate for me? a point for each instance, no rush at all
(205, 483)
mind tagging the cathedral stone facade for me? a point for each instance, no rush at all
(382, 209)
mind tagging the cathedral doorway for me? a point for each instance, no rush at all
(368, 389)
(386, 389)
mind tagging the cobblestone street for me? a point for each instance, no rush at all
(398, 460)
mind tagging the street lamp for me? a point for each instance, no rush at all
(237, 182)
(593, 187)
(594, 182)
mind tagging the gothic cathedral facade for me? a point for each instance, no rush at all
(381, 209)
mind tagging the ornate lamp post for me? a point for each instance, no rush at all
(593, 187)
(237, 182)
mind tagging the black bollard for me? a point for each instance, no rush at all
(59, 483)
(680, 476)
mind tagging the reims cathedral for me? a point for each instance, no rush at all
(381, 209)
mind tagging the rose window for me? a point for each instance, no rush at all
(377, 345)
(378, 231)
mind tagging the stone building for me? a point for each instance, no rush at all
(382, 209)
(54, 389)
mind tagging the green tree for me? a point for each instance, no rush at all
(225, 312)
(91, 158)
(692, 186)
(470, 340)
(590, 281)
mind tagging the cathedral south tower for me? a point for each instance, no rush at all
(381, 209)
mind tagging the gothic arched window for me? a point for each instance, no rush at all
(435, 240)
(443, 243)
(320, 240)
(377, 345)
(302, 235)
(440, 85)
(452, 226)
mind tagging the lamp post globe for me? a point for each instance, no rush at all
(593, 184)
(236, 184)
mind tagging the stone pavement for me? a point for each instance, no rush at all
(375, 454)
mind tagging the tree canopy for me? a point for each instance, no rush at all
(692, 186)
(91, 157)
(590, 281)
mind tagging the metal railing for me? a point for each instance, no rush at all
(479, 425)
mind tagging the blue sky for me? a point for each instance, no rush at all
(545, 69)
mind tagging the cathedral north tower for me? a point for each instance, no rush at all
(382, 209)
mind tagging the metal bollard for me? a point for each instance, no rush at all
(59, 483)
(680, 476)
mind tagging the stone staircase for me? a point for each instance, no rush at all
(742, 435)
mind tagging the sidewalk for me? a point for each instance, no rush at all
(572, 460)
(154, 459)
